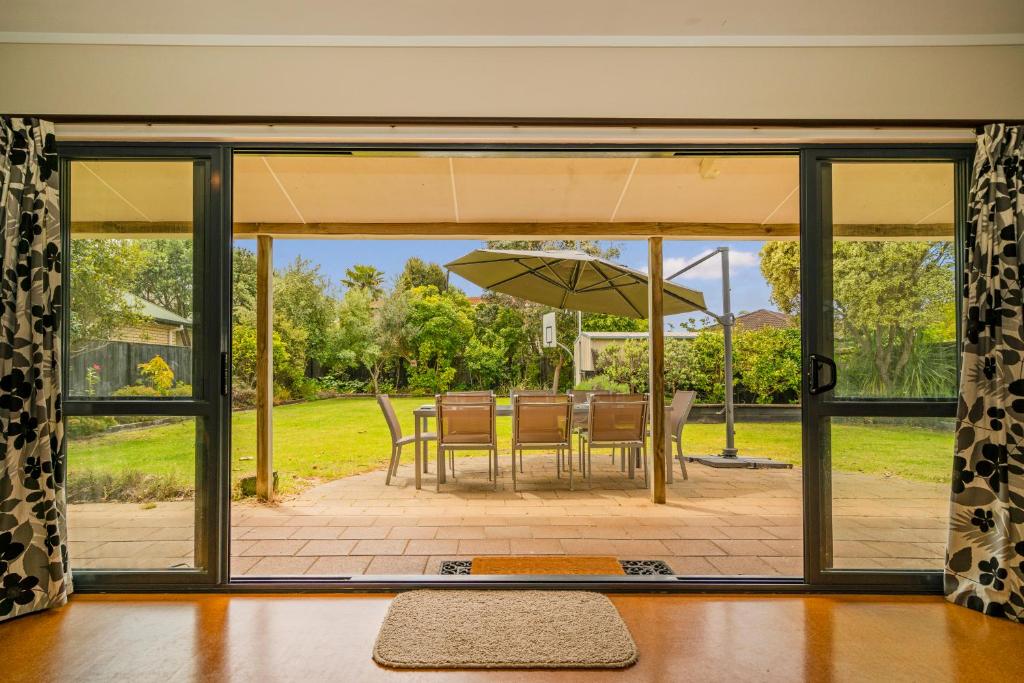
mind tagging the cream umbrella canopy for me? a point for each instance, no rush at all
(571, 280)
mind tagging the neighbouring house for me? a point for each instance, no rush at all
(589, 345)
(156, 325)
(106, 366)
(760, 319)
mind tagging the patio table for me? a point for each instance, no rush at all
(428, 410)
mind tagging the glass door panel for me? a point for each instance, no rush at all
(880, 318)
(143, 400)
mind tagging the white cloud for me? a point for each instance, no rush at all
(712, 268)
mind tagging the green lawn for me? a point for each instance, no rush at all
(324, 440)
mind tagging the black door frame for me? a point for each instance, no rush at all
(817, 338)
(213, 512)
(209, 404)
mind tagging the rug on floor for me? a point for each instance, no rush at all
(629, 568)
(522, 629)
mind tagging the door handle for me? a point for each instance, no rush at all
(814, 376)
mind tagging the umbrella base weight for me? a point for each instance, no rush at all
(724, 461)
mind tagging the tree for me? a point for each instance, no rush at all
(165, 275)
(626, 363)
(780, 266)
(441, 326)
(365, 277)
(303, 297)
(243, 282)
(419, 273)
(886, 296)
(361, 335)
(604, 322)
(99, 302)
(487, 359)
(767, 362)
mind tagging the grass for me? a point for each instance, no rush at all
(325, 440)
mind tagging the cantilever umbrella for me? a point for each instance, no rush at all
(570, 280)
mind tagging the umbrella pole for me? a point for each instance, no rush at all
(729, 456)
(727, 324)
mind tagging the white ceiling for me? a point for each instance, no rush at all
(410, 189)
(523, 18)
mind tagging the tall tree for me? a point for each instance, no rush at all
(100, 281)
(304, 297)
(887, 298)
(419, 273)
(243, 282)
(165, 275)
(362, 276)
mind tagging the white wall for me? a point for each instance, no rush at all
(688, 83)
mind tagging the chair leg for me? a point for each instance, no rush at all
(494, 455)
(514, 481)
(440, 463)
(682, 460)
(570, 466)
(622, 459)
(520, 460)
(391, 467)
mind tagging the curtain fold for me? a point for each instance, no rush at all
(34, 572)
(985, 554)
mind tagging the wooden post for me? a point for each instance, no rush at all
(656, 351)
(265, 368)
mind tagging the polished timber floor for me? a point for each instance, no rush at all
(308, 638)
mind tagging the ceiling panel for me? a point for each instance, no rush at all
(258, 198)
(892, 193)
(713, 189)
(367, 189)
(131, 191)
(552, 189)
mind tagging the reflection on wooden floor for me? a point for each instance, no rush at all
(329, 638)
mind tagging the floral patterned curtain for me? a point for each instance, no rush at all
(33, 542)
(985, 555)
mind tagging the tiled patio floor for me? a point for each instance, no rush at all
(719, 522)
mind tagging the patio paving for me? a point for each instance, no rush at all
(719, 522)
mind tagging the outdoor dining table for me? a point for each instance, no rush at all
(428, 410)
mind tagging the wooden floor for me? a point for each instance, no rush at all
(680, 638)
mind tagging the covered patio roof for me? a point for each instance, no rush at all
(464, 196)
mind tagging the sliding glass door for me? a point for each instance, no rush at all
(143, 381)
(880, 318)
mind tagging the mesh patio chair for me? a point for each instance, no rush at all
(512, 401)
(542, 422)
(679, 411)
(616, 422)
(397, 440)
(467, 423)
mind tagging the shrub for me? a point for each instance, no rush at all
(626, 364)
(768, 364)
(602, 383)
(87, 426)
(128, 486)
(157, 374)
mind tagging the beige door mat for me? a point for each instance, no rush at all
(518, 629)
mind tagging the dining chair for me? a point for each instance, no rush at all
(542, 422)
(512, 401)
(602, 395)
(618, 421)
(467, 423)
(678, 412)
(397, 440)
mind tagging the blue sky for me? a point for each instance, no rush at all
(749, 290)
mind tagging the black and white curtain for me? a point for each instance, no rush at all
(34, 570)
(985, 555)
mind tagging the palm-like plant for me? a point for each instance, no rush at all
(369, 278)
